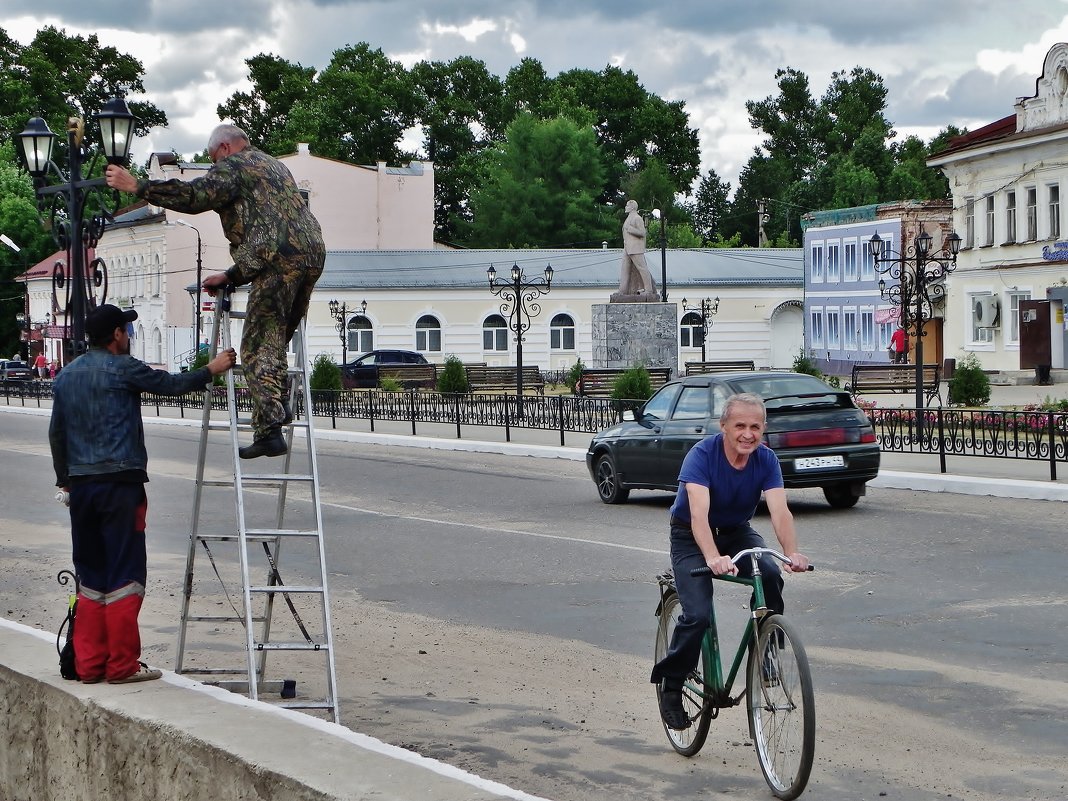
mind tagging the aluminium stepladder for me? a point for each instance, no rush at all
(255, 526)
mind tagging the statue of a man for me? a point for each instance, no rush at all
(635, 280)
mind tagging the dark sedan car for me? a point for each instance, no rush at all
(363, 372)
(14, 371)
(821, 438)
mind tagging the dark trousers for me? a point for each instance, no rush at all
(695, 594)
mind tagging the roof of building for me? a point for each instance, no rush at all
(460, 269)
(999, 129)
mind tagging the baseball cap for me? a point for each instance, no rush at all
(102, 320)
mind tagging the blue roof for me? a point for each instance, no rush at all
(459, 269)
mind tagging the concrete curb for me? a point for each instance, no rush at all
(887, 479)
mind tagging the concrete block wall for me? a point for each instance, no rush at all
(178, 740)
(625, 334)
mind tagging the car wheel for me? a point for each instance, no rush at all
(608, 481)
(840, 496)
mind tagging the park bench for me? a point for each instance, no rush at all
(481, 378)
(410, 376)
(888, 379)
(599, 381)
(739, 365)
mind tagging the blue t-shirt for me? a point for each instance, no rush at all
(734, 493)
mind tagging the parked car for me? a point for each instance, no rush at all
(363, 371)
(821, 438)
(15, 371)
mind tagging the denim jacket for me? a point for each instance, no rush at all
(96, 424)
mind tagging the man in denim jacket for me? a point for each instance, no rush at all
(98, 452)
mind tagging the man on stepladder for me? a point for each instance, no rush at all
(277, 247)
(98, 452)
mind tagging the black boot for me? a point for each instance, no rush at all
(270, 444)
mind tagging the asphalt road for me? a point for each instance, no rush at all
(933, 622)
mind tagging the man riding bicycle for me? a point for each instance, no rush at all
(720, 484)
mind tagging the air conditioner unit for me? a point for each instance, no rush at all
(987, 311)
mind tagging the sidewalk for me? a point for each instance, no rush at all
(919, 472)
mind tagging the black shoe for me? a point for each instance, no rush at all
(272, 444)
(671, 710)
(287, 412)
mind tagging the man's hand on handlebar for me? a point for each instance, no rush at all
(799, 563)
(722, 565)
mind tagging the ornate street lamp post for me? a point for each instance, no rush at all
(918, 284)
(340, 312)
(708, 310)
(72, 200)
(519, 303)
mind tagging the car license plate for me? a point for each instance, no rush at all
(816, 462)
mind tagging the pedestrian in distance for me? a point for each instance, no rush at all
(720, 484)
(40, 366)
(898, 347)
(277, 247)
(98, 452)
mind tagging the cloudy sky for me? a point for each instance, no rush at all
(952, 61)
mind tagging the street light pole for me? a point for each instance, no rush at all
(72, 198)
(919, 278)
(519, 304)
(661, 216)
(708, 309)
(197, 291)
(340, 312)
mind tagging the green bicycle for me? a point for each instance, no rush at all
(778, 691)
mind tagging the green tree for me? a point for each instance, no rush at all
(541, 188)
(325, 374)
(633, 384)
(969, 386)
(711, 206)
(453, 377)
(277, 85)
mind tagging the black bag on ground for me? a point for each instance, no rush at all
(66, 651)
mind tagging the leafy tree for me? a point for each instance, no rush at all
(711, 206)
(969, 386)
(574, 375)
(325, 374)
(633, 384)
(540, 188)
(790, 122)
(277, 85)
(453, 377)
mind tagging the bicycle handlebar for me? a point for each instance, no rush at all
(707, 571)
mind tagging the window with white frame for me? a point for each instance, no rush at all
(428, 334)
(979, 335)
(834, 329)
(834, 263)
(1010, 315)
(1031, 210)
(1054, 193)
(691, 331)
(816, 263)
(849, 260)
(867, 263)
(361, 335)
(867, 329)
(988, 201)
(815, 328)
(969, 222)
(562, 332)
(495, 333)
(849, 329)
(1010, 216)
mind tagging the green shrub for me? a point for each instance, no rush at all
(634, 384)
(803, 364)
(453, 378)
(325, 374)
(573, 375)
(969, 386)
(390, 384)
(201, 360)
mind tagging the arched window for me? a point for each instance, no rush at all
(428, 334)
(139, 342)
(495, 333)
(157, 279)
(361, 334)
(157, 346)
(562, 333)
(691, 332)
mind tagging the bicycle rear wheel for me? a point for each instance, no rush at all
(694, 698)
(782, 708)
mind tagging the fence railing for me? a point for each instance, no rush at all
(1031, 435)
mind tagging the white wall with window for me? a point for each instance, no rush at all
(1010, 217)
(867, 329)
(815, 328)
(691, 331)
(562, 332)
(815, 265)
(850, 329)
(988, 203)
(834, 264)
(850, 266)
(833, 319)
(886, 327)
(1053, 194)
(495, 334)
(428, 334)
(361, 334)
(980, 337)
(1010, 315)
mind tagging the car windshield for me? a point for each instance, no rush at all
(781, 392)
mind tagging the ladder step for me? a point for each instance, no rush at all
(278, 589)
(326, 703)
(212, 671)
(258, 535)
(276, 477)
(221, 619)
(291, 646)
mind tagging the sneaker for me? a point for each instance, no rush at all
(93, 680)
(143, 673)
(287, 412)
(671, 711)
(271, 444)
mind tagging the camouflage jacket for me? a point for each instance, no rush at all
(261, 210)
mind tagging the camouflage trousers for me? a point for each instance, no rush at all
(277, 302)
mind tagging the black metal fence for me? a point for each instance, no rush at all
(1033, 435)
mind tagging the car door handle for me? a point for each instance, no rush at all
(698, 429)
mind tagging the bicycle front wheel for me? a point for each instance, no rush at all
(694, 692)
(782, 708)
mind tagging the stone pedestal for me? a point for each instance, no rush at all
(625, 334)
